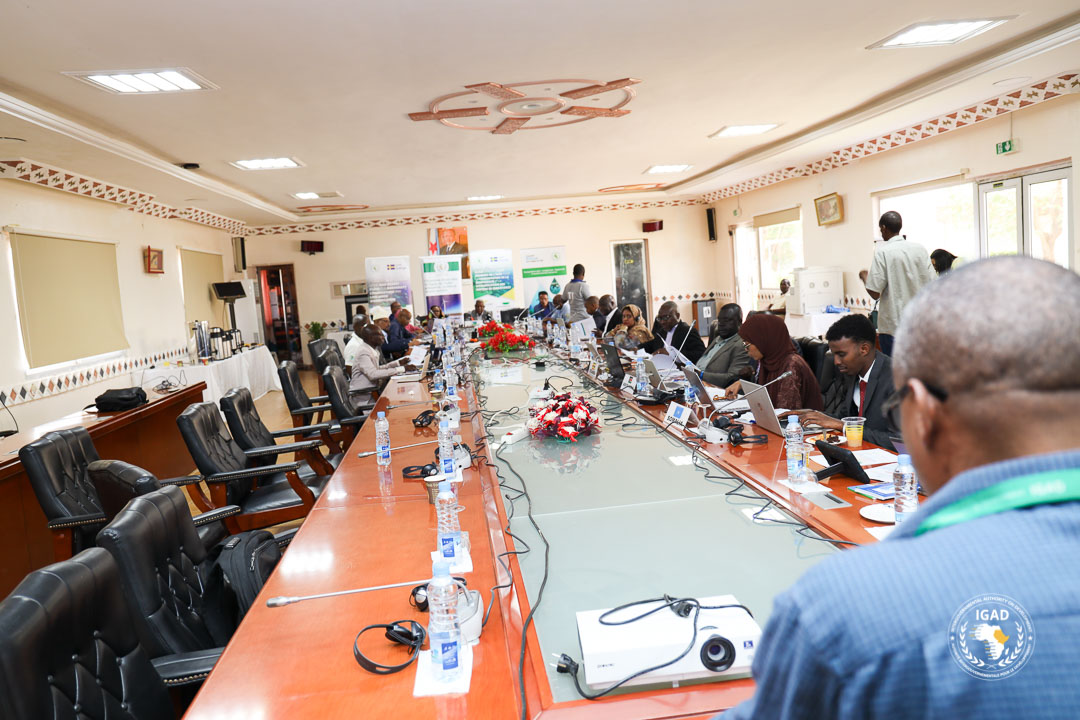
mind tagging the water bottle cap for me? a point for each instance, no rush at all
(381, 414)
(440, 569)
(445, 487)
(903, 460)
(792, 420)
(444, 423)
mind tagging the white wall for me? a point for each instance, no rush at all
(152, 305)
(682, 260)
(1046, 133)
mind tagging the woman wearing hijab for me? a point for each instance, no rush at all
(631, 318)
(767, 341)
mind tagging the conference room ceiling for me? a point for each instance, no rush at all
(332, 84)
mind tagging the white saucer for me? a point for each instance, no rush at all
(879, 513)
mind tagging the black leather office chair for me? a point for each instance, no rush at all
(316, 349)
(348, 415)
(250, 433)
(302, 407)
(56, 464)
(813, 351)
(185, 613)
(69, 649)
(117, 483)
(280, 495)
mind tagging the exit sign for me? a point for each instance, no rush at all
(1005, 147)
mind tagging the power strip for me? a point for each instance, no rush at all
(514, 434)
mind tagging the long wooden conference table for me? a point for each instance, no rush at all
(631, 512)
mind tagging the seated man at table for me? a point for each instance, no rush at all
(560, 309)
(353, 345)
(725, 361)
(861, 385)
(971, 607)
(544, 308)
(398, 338)
(368, 370)
(478, 313)
(674, 337)
(612, 315)
(779, 305)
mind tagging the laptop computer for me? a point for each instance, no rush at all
(694, 381)
(417, 376)
(614, 364)
(762, 407)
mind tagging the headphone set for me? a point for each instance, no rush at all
(409, 633)
(424, 419)
(737, 433)
(419, 472)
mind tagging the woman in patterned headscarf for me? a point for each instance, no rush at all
(767, 341)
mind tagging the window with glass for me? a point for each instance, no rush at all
(780, 246)
(940, 217)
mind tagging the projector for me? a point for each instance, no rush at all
(724, 647)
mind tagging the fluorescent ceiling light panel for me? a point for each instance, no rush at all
(480, 198)
(145, 81)
(741, 130)
(280, 163)
(946, 32)
(658, 169)
(306, 196)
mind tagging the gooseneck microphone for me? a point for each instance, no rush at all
(283, 600)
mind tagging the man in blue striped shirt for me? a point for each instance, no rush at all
(971, 608)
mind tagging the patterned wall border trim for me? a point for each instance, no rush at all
(59, 179)
(75, 378)
(1027, 96)
(464, 217)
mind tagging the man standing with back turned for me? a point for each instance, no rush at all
(899, 270)
(971, 607)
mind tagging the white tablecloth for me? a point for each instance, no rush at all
(811, 324)
(254, 369)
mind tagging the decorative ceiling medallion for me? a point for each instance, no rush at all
(631, 188)
(505, 109)
(311, 209)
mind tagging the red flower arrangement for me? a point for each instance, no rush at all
(505, 340)
(564, 416)
(492, 328)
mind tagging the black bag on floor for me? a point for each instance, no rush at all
(246, 561)
(119, 399)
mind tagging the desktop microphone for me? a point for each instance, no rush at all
(762, 387)
(283, 600)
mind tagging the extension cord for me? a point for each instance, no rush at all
(541, 394)
(514, 434)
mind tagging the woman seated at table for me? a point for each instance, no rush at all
(631, 318)
(767, 342)
(434, 313)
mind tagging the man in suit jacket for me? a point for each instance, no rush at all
(611, 315)
(478, 313)
(671, 334)
(726, 359)
(398, 338)
(861, 386)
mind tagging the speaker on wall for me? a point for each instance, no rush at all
(710, 218)
(239, 254)
(311, 246)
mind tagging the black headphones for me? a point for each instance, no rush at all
(424, 419)
(418, 472)
(735, 437)
(403, 632)
(418, 596)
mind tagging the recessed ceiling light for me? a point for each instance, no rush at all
(12, 139)
(740, 130)
(657, 169)
(1012, 82)
(280, 163)
(481, 198)
(945, 32)
(134, 82)
(306, 195)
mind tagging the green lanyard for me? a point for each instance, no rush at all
(1045, 488)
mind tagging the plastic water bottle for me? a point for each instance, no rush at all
(452, 413)
(451, 385)
(438, 384)
(446, 449)
(444, 633)
(382, 439)
(448, 527)
(793, 435)
(690, 396)
(641, 378)
(906, 499)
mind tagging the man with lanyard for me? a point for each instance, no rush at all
(575, 294)
(971, 607)
(726, 359)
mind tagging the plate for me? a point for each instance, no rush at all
(882, 513)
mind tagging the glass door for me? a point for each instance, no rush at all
(1047, 223)
(747, 282)
(630, 269)
(1001, 218)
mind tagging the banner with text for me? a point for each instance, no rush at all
(442, 283)
(387, 281)
(543, 269)
(493, 277)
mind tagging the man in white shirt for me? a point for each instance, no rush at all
(779, 305)
(900, 269)
(612, 316)
(575, 294)
(368, 370)
(354, 343)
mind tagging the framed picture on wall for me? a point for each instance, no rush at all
(155, 260)
(830, 209)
